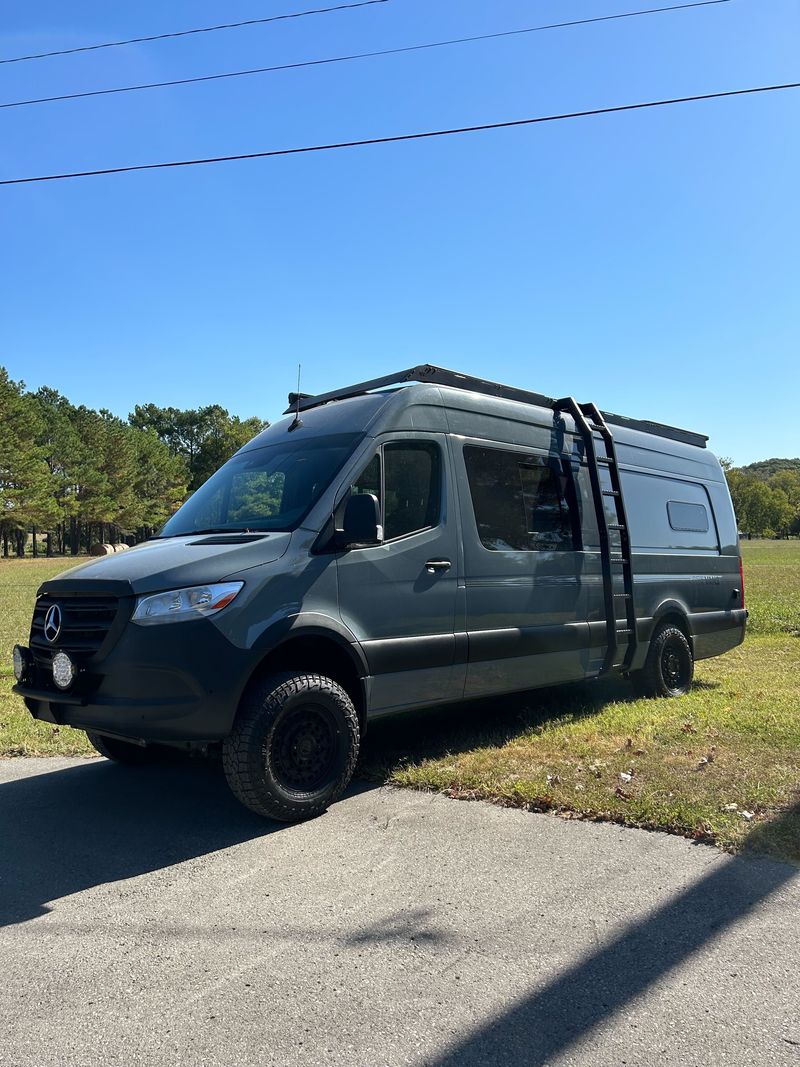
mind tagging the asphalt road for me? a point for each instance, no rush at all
(146, 919)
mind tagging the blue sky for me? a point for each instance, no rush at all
(647, 261)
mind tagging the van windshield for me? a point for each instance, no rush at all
(269, 488)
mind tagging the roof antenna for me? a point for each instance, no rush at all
(297, 422)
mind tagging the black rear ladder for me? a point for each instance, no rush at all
(591, 425)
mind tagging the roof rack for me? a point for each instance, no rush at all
(428, 374)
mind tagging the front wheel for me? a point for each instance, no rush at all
(293, 747)
(669, 667)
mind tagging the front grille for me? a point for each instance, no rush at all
(87, 630)
(85, 623)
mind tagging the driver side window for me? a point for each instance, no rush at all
(369, 481)
(405, 476)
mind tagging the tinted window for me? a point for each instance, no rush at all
(411, 485)
(409, 491)
(689, 517)
(369, 481)
(269, 488)
(519, 500)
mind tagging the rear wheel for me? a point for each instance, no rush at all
(293, 748)
(669, 667)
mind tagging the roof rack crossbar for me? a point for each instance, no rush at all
(426, 373)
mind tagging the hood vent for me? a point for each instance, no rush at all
(229, 539)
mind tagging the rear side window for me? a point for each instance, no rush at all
(690, 518)
(520, 501)
(407, 485)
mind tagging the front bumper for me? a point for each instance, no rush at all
(176, 682)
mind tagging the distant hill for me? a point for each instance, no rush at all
(765, 468)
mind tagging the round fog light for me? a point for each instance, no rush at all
(19, 663)
(63, 670)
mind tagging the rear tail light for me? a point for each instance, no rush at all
(741, 581)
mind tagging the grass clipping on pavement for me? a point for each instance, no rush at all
(720, 765)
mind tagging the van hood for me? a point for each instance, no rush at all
(171, 563)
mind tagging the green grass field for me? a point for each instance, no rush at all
(20, 735)
(720, 765)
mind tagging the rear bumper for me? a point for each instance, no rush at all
(178, 682)
(715, 632)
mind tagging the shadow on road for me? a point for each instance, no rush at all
(67, 830)
(566, 1010)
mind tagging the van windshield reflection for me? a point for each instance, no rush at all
(263, 489)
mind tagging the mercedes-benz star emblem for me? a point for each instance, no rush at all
(52, 623)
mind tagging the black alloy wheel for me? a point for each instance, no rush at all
(673, 667)
(293, 746)
(303, 748)
(669, 667)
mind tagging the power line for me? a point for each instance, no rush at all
(403, 136)
(187, 33)
(359, 55)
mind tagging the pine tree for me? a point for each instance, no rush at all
(26, 484)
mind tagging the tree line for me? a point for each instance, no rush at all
(71, 476)
(766, 497)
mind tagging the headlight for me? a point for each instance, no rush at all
(180, 604)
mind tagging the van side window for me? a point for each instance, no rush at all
(519, 501)
(690, 518)
(410, 491)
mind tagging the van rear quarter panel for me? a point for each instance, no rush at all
(692, 571)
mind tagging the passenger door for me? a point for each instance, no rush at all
(526, 600)
(400, 597)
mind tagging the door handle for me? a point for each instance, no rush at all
(434, 565)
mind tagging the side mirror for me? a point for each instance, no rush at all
(361, 524)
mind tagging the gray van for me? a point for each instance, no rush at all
(392, 546)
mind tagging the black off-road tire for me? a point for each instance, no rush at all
(293, 747)
(669, 667)
(125, 752)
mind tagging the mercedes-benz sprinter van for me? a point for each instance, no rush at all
(384, 547)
